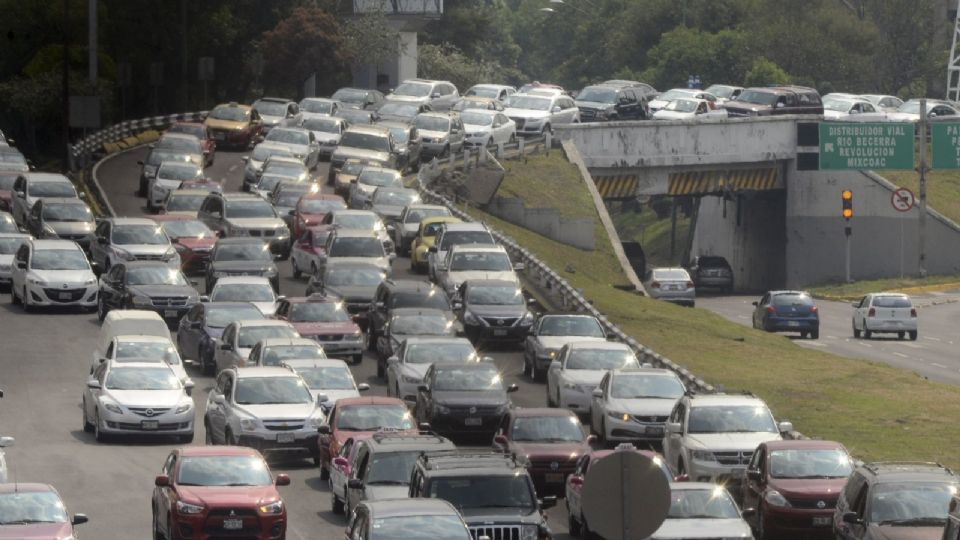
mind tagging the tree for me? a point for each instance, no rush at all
(763, 72)
(446, 62)
(716, 57)
(305, 42)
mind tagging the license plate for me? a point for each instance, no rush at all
(285, 437)
(793, 323)
(554, 478)
(654, 430)
(64, 296)
(219, 136)
(232, 524)
(473, 421)
(498, 332)
(821, 521)
(170, 313)
(150, 424)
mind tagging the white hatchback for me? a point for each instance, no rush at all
(579, 368)
(891, 313)
(52, 273)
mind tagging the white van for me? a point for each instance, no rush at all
(129, 322)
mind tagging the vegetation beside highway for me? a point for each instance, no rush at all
(943, 189)
(910, 285)
(878, 411)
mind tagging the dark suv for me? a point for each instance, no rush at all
(775, 100)
(894, 501)
(493, 492)
(711, 271)
(401, 293)
(603, 102)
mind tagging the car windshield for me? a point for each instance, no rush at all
(393, 468)
(421, 324)
(373, 177)
(271, 391)
(479, 379)
(7, 180)
(433, 299)
(682, 105)
(139, 234)
(223, 471)
(59, 259)
(839, 105)
(721, 91)
(50, 190)
(485, 491)
(289, 136)
(253, 251)
(316, 106)
(25, 507)
(499, 295)
(67, 212)
(156, 157)
(325, 312)
(184, 145)
(553, 428)
(325, 125)
(476, 118)
(911, 503)
(262, 152)
(320, 206)
(395, 198)
(353, 167)
(413, 90)
(401, 135)
(431, 527)
(355, 276)
(179, 171)
(810, 463)
(712, 503)
(910, 107)
(184, 202)
(269, 181)
(483, 91)
(892, 302)
(242, 292)
(531, 103)
(671, 275)
(141, 350)
(365, 141)
(646, 386)
(598, 94)
(230, 114)
(270, 108)
(248, 336)
(9, 246)
(156, 275)
(186, 228)
(432, 123)
(571, 326)
(348, 95)
(374, 417)
(731, 419)
(405, 110)
(434, 353)
(249, 209)
(275, 355)
(357, 247)
(582, 358)
(454, 238)
(757, 98)
(480, 262)
(141, 379)
(416, 215)
(196, 130)
(220, 317)
(791, 299)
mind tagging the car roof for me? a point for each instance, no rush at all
(261, 322)
(354, 233)
(141, 338)
(276, 99)
(471, 463)
(483, 248)
(371, 129)
(410, 284)
(906, 470)
(240, 240)
(690, 486)
(263, 371)
(352, 264)
(302, 363)
(46, 177)
(140, 365)
(132, 314)
(315, 298)
(190, 451)
(414, 311)
(131, 221)
(34, 488)
(605, 345)
(227, 305)
(775, 293)
(580, 315)
(392, 441)
(370, 400)
(797, 444)
(146, 264)
(64, 200)
(540, 411)
(420, 506)
(491, 283)
(235, 105)
(242, 280)
(707, 400)
(435, 114)
(281, 341)
(658, 372)
(465, 226)
(176, 192)
(428, 340)
(44, 244)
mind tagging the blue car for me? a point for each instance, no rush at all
(203, 325)
(787, 311)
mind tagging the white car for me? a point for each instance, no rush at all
(28, 188)
(537, 114)
(885, 313)
(351, 245)
(327, 132)
(452, 234)
(368, 181)
(406, 368)
(184, 202)
(678, 93)
(143, 348)
(52, 273)
(239, 338)
(301, 143)
(686, 108)
(254, 289)
(910, 110)
(468, 261)
(408, 224)
(314, 107)
(329, 379)
(133, 398)
(702, 510)
(882, 102)
(268, 408)
(439, 95)
(441, 134)
(551, 333)
(633, 404)
(712, 437)
(168, 178)
(360, 220)
(579, 368)
(498, 92)
(254, 162)
(488, 128)
(9, 244)
(274, 351)
(128, 322)
(724, 92)
(131, 239)
(835, 108)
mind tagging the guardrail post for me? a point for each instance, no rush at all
(520, 144)
(500, 150)
(548, 141)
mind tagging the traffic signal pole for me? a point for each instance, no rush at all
(846, 198)
(848, 232)
(922, 222)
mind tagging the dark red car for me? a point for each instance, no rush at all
(200, 131)
(35, 511)
(324, 319)
(357, 416)
(312, 208)
(192, 239)
(208, 492)
(794, 487)
(7, 178)
(551, 439)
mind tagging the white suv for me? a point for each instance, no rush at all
(267, 408)
(131, 239)
(439, 95)
(712, 437)
(52, 273)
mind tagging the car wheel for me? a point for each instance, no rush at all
(913, 335)
(97, 434)
(336, 504)
(572, 524)
(867, 334)
(900, 335)
(156, 528)
(296, 269)
(815, 334)
(87, 426)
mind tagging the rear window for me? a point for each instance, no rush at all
(892, 301)
(714, 262)
(792, 300)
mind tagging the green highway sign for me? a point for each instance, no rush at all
(945, 143)
(860, 145)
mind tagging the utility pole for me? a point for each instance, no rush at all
(92, 41)
(184, 71)
(65, 88)
(922, 223)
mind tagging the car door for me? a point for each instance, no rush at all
(456, 134)
(752, 489)
(858, 505)
(326, 438)
(20, 263)
(673, 440)
(859, 313)
(163, 496)
(90, 394)
(216, 414)
(187, 333)
(758, 310)
(101, 236)
(358, 471)
(377, 313)
(338, 478)
(33, 223)
(220, 352)
(110, 287)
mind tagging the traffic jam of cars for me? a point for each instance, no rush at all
(191, 291)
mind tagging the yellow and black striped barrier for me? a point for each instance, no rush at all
(621, 186)
(702, 182)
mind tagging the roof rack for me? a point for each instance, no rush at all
(470, 460)
(398, 436)
(876, 465)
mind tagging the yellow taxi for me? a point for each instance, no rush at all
(232, 124)
(427, 234)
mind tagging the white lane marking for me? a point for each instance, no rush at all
(832, 337)
(901, 355)
(232, 168)
(862, 344)
(742, 317)
(812, 344)
(932, 338)
(938, 365)
(913, 345)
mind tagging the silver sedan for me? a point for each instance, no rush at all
(672, 285)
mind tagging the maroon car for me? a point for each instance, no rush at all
(312, 208)
(366, 415)
(200, 131)
(7, 178)
(192, 239)
(35, 511)
(551, 439)
(325, 319)
(794, 486)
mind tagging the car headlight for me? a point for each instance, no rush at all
(49, 231)
(38, 282)
(90, 282)
(183, 408)
(529, 532)
(170, 253)
(112, 407)
(124, 254)
(470, 318)
(572, 386)
(248, 424)
(702, 455)
(142, 301)
(407, 379)
(774, 498)
(618, 415)
(440, 409)
(272, 508)
(149, 171)
(317, 420)
(527, 319)
(551, 353)
(189, 509)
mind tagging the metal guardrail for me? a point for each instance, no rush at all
(87, 148)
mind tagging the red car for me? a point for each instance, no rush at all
(324, 319)
(312, 208)
(7, 178)
(552, 439)
(357, 416)
(192, 239)
(200, 131)
(207, 492)
(794, 486)
(207, 184)
(35, 511)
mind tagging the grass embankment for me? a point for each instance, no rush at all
(879, 412)
(943, 189)
(909, 285)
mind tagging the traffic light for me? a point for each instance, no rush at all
(847, 196)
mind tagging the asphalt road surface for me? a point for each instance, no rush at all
(933, 355)
(43, 369)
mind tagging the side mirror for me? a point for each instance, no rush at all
(324, 429)
(548, 502)
(576, 480)
(512, 388)
(322, 398)
(341, 463)
(753, 474)
(785, 427)
(6, 442)
(198, 324)
(851, 518)
(225, 347)
(673, 427)
(591, 439)
(554, 364)
(393, 360)
(219, 399)
(79, 519)
(355, 483)
(500, 441)
(425, 427)
(363, 387)
(423, 388)
(93, 384)
(161, 480)
(555, 109)
(597, 392)
(282, 480)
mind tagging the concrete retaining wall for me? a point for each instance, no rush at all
(545, 221)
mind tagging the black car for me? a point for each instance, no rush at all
(401, 293)
(493, 492)
(203, 325)
(355, 283)
(608, 103)
(493, 310)
(67, 219)
(463, 398)
(711, 271)
(146, 285)
(358, 98)
(241, 257)
(412, 322)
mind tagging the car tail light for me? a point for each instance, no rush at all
(682, 478)
(872, 313)
(913, 312)
(355, 318)
(655, 284)
(770, 309)
(814, 309)
(689, 284)
(576, 480)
